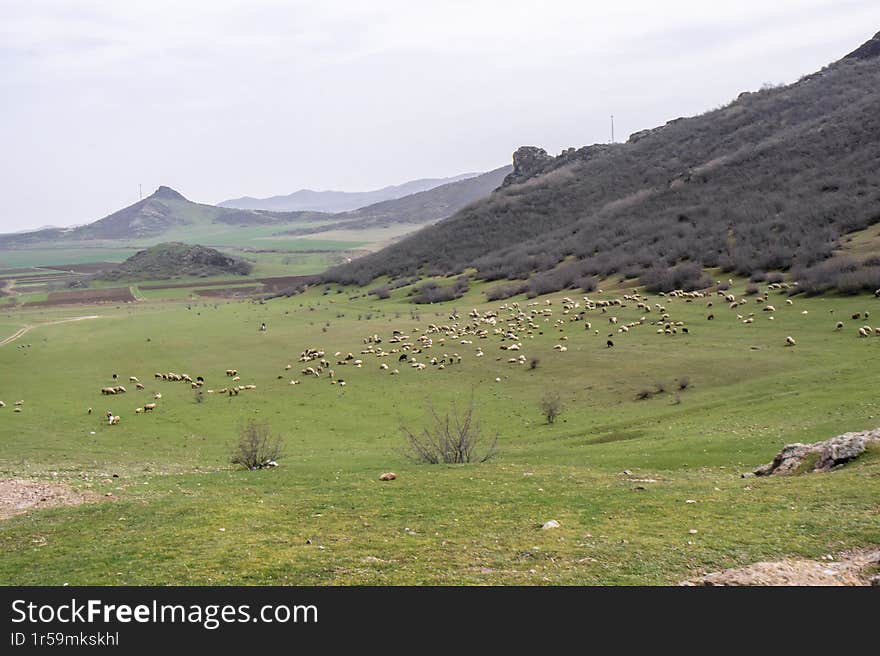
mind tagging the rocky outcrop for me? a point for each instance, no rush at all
(527, 161)
(820, 456)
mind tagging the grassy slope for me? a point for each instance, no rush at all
(473, 524)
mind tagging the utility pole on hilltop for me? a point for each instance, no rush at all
(140, 192)
(612, 128)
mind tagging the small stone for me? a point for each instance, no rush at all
(690, 501)
(627, 472)
(551, 524)
(693, 531)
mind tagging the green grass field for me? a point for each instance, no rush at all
(322, 517)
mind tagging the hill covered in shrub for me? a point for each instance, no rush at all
(174, 259)
(770, 182)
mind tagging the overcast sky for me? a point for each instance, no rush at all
(225, 98)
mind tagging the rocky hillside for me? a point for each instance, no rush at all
(174, 259)
(771, 182)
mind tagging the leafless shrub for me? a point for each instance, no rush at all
(644, 394)
(257, 447)
(659, 387)
(454, 437)
(551, 406)
(534, 362)
(683, 383)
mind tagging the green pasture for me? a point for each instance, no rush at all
(323, 517)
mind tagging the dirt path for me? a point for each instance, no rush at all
(22, 331)
(859, 567)
(18, 496)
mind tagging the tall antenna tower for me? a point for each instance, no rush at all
(140, 192)
(612, 128)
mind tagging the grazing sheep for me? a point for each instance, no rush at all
(231, 372)
(789, 341)
(863, 332)
(140, 386)
(112, 419)
(133, 379)
(235, 378)
(149, 407)
(157, 395)
(108, 390)
(710, 317)
(609, 344)
(856, 315)
(3, 405)
(138, 411)
(839, 325)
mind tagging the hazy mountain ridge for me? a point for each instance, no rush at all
(168, 210)
(339, 201)
(153, 216)
(419, 208)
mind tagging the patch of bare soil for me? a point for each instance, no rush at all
(17, 496)
(859, 567)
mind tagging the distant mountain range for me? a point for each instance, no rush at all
(772, 182)
(155, 215)
(421, 208)
(168, 211)
(339, 201)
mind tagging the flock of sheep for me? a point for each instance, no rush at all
(510, 326)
